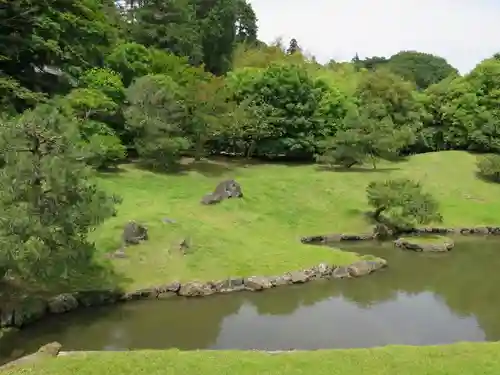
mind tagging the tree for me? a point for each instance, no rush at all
(207, 106)
(249, 124)
(63, 35)
(246, 23)
(168, 25)
(106, 81)
(217, 21)
(449, 108)
(155, 116)
(362, 138)
(424, 69)
(387, 95)
(402, 203)
(130, 60)
(92, 107)
(293, 47)
(300, 108)
(49, 204)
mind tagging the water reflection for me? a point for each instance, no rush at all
(420, 299)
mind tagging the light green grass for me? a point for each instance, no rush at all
(463, 359)
(259, 235)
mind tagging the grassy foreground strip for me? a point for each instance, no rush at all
(259, 235)
(462, 358)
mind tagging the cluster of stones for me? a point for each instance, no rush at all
(34, 309)
(330, 238)
(486, 230)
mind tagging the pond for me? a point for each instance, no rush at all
(420, 299)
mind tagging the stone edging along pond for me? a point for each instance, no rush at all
(33, 309)
(332, 238)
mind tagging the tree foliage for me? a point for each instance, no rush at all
(362, 138)
(156, 116)
(402, 203)
(489, 167)
(48, 202)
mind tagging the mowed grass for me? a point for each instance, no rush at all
(462, 358)
(260, 234)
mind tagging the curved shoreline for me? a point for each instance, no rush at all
(341, 237)
(34, 309)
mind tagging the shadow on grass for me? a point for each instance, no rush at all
(325, 168)
(96, 276)
(205, 167)
(488, 179)
(112, 172)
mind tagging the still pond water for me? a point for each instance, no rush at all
(421, 299)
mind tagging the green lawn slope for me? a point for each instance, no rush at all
(462, 358)
(259, 235)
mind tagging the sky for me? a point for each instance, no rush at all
(462, 31)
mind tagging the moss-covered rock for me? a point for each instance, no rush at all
(425, 243)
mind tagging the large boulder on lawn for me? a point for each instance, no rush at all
(134, 233)
(224, 190)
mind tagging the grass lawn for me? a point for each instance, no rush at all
(462, 358)
(259, 234)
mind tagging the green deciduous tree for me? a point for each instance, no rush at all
(155, 117)
(207, 106)
(402, 203)
(48, 201)
(130, 60)
(106, 81)
(301, 109)
(424, 69)
(365, 138)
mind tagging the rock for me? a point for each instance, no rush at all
(257, 283)
(142, 294)
(357, 237)
(51, 349)
(230, 285)
(97, 298)
(414, 245)
(167, 291)
(224, 190)
(322, 270)
(285, 279)
(299, 277)
(62, 303)
(167, 220)
(365, 267)
(134, 233)
(196, 289)
(313, 240)
(341, 272)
